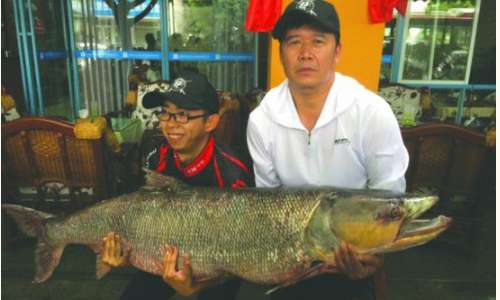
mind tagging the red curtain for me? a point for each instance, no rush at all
(262, 15)
(381, 10)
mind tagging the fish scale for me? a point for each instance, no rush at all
(269, 236)
(219, 231)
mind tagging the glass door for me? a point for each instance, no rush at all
(86, 54)
(53, 59)
(43, 57)
(209, 36)
(114, 40)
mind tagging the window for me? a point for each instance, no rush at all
(438, 41)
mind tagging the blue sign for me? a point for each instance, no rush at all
(386, 59)
(173, 56)
(210, 56)
(48, 55)
(151, 55)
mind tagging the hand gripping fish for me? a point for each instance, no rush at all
(268, 236)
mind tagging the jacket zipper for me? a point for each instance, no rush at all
(308, 138)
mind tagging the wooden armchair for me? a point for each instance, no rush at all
(44, 163)
(449, 160)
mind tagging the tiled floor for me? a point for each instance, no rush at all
(434, 271)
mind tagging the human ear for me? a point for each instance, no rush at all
(212, 122)
(338, 50)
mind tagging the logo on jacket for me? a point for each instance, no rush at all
(342, 141)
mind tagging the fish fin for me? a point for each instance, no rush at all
(101, 268)
(313, 271)
(274, 289)
(47, 258)
(207, 278)
(156, 181)
(29, 221)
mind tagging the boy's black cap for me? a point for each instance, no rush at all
(188, 91)
(318, 11)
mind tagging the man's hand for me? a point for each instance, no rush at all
(179, 279)
(354, 265)
(112, 252)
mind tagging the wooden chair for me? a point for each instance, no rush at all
(449, 160)
(46, 166)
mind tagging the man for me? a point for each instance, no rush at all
(321, 128)
(190, 153)
(153, 68)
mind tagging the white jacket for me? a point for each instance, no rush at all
(356, 142)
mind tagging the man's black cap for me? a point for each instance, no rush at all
(308, 11)
(188, 91)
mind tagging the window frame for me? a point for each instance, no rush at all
(400, 49)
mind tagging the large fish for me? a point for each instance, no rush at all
(269, 236)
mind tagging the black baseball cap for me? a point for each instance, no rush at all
(306, 12)
(188, 91)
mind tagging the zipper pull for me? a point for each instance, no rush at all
(308, 138)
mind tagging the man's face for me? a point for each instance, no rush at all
(309, 57)
(189, 138)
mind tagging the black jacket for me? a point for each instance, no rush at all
(215, 166)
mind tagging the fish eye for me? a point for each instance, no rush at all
(391, 212)
(396, 212)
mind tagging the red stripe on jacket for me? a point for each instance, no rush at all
(238, 183)
(162, 161)
(201, 161)
(218, 175)
(235, 161)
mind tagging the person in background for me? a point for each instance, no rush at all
(190, 153)
(322, 128)
(150, 42)
(153, 67)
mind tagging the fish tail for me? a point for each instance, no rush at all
(31, 222)
(47, 258)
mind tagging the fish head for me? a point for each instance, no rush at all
(380, 222)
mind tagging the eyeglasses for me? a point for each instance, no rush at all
(180, 117)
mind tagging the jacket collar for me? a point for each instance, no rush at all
(279, 103)
(200, 162)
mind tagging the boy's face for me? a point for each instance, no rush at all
(188, 138)
(309, 57)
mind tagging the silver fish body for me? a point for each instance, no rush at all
(268, 236)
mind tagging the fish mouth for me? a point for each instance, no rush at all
(416, 206)
(419, 227)
(414, 233)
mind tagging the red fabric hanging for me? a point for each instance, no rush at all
(262, 15)
(401, 7)
(381, 10)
